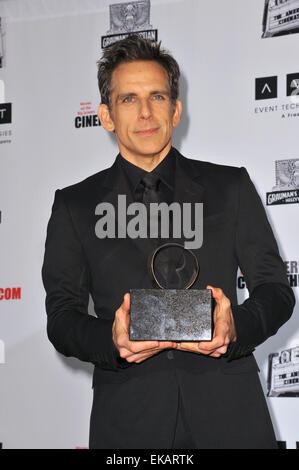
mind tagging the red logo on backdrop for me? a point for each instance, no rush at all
(10, 293)
(86, 116)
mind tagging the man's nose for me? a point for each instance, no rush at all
(145, 111)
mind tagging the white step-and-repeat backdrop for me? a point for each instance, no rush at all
(239, 87)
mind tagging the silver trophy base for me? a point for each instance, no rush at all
(171, 315)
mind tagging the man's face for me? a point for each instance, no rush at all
(142, 114)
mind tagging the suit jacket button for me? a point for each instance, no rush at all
(169, 354)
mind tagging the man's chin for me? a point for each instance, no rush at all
(151, 150)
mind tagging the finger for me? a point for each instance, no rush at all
(217, 293)
(222, 301)
(207, 351)
(122, 319)
(124, 310)
(167, 344)
(125, 306)
(140, 346)
(186, 346)
(222, 350)
(217, 342)
(125, 352)
(162, 345)
(215, 354)
(142, 356)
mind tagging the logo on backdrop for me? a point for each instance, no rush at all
(293, 84)
(286, 189)
(241, 284)
(5, 113)
(266, 89)
(280, 17)
(10, 293)
(283, 373)
(130, 17)
(292, 272)
(86, 116)
(5, 116)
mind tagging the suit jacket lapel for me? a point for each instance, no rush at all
(116, 181)
(187, 185)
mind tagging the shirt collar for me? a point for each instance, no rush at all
(165, 170)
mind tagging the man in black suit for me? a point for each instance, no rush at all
(162, 394)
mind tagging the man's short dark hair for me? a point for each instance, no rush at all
(134, 48)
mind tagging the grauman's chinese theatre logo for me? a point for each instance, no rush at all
(130, 17)
(286, 190)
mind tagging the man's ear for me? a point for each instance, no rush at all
(105, 118)
(176, 117)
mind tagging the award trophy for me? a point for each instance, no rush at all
(172, 312)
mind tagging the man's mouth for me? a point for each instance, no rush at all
(147, 132)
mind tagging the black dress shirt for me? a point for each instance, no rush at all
(165, 170)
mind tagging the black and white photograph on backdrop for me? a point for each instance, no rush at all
(280, 17)
(283, 373)
(126, 18)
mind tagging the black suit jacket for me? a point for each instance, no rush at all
(77, 263)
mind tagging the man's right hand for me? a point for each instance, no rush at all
(133, 351)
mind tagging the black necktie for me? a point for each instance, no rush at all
(150, 183)
(148, 192)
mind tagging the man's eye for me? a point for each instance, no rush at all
(158, 97)
(128, 99)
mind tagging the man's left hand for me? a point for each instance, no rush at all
(224, 328)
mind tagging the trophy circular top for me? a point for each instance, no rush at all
(173, 266)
